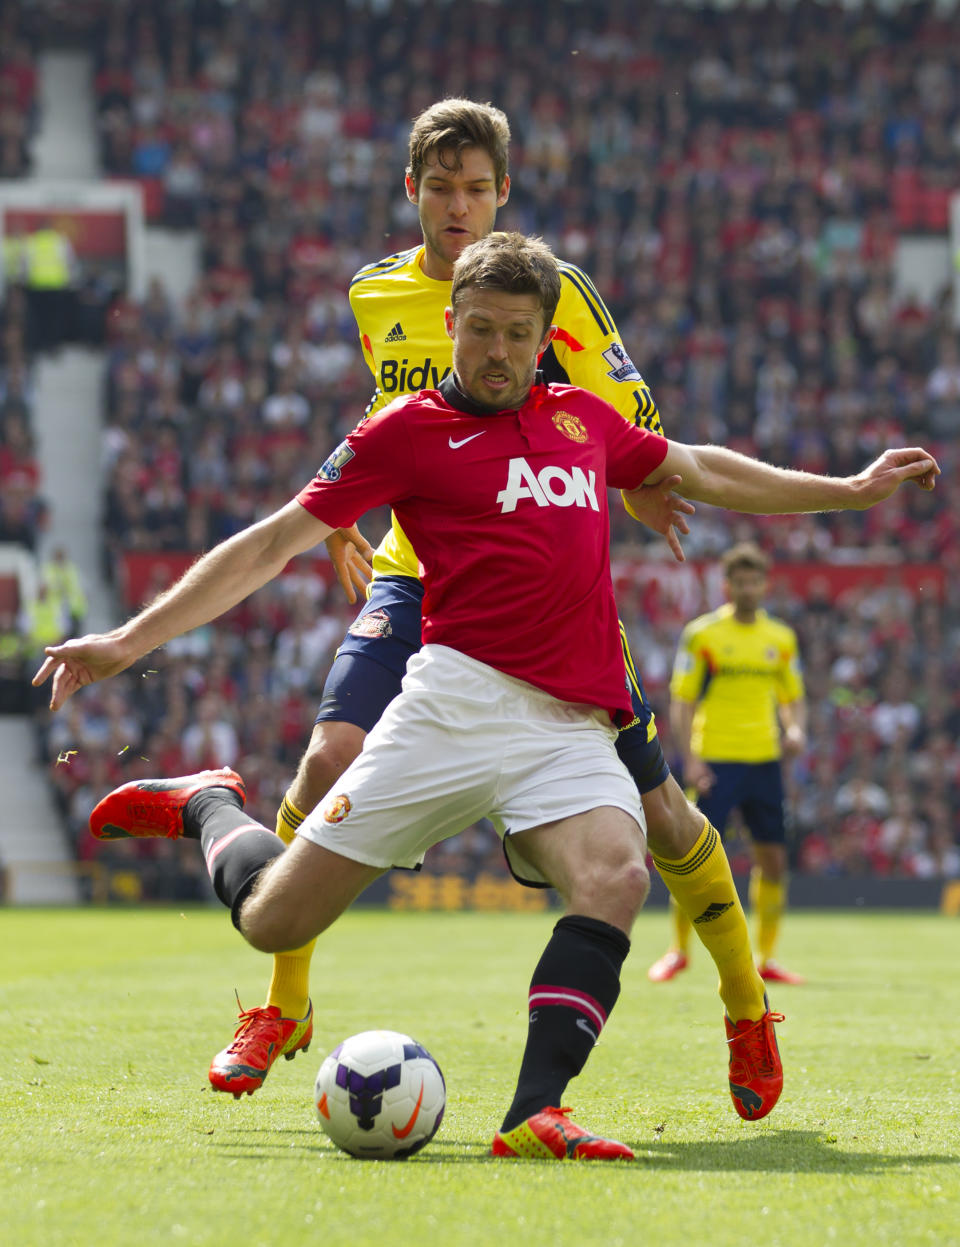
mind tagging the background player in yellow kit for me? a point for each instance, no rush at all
(737, 704)
(457, 177)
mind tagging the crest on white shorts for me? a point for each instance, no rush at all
(337, 808)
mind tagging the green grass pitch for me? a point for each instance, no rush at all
(109, 1133)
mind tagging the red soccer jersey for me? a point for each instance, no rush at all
(507, 512)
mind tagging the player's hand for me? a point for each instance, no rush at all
(698, 776)
(80, 662)
(350, 553)
(794, 741)
(885, 475)
(660, 509)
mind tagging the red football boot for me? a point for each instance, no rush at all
(551, 1135)
(154, 807)
(755, 1073)
(262, 1036)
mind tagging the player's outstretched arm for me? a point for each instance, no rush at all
(725, 478)
(350, 553)
(215, 583)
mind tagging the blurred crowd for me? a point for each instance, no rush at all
(18, 92)
(735, 183)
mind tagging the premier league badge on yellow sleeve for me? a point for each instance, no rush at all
(622, 367)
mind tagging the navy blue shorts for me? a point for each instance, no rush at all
(756, 788)
(372, 660)
(638, 743)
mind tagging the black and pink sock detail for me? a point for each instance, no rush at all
(235, 848)
(572, 993)
(592, 1015)
(212, 848)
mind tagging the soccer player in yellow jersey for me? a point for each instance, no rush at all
(737, 705)
(457, 177)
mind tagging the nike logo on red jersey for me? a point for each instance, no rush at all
(463, 440)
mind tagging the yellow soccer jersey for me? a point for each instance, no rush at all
(737, 673)
(399, 313)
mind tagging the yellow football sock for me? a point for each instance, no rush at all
(702, 886)
(290, 983)
(767, 900)
(289, 819)
(682, 926)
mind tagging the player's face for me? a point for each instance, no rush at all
(497, 339)
(746, 589)
(456, 205)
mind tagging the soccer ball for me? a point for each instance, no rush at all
(380, 1095)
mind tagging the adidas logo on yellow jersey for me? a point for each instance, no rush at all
(396, 334)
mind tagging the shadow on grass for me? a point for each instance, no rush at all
(775, 1151)
(780, 1151)
(277, 1144)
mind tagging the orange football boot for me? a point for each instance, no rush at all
(551, 1135)
(755, 1072)
(154, 807)
(262, 1036)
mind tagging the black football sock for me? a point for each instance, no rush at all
(573, 990)
(235, 848)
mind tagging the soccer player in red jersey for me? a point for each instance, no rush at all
(510, 708)
(458, 179)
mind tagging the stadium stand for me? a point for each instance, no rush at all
(736, 183)
(22, 507)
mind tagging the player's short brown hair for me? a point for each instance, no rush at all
(446, 128)
(745, 555)
(513, 263)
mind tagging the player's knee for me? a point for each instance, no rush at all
(328, 756)
(270, 927)
(615, 887)
(673, 823)
(634, 884)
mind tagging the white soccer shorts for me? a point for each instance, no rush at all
(461, 742)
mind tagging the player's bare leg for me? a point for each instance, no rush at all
(333, 746)
(596, 862)
(299, 895)
(673, 823)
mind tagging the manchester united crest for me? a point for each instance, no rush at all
(570, 426)
(337, 808)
